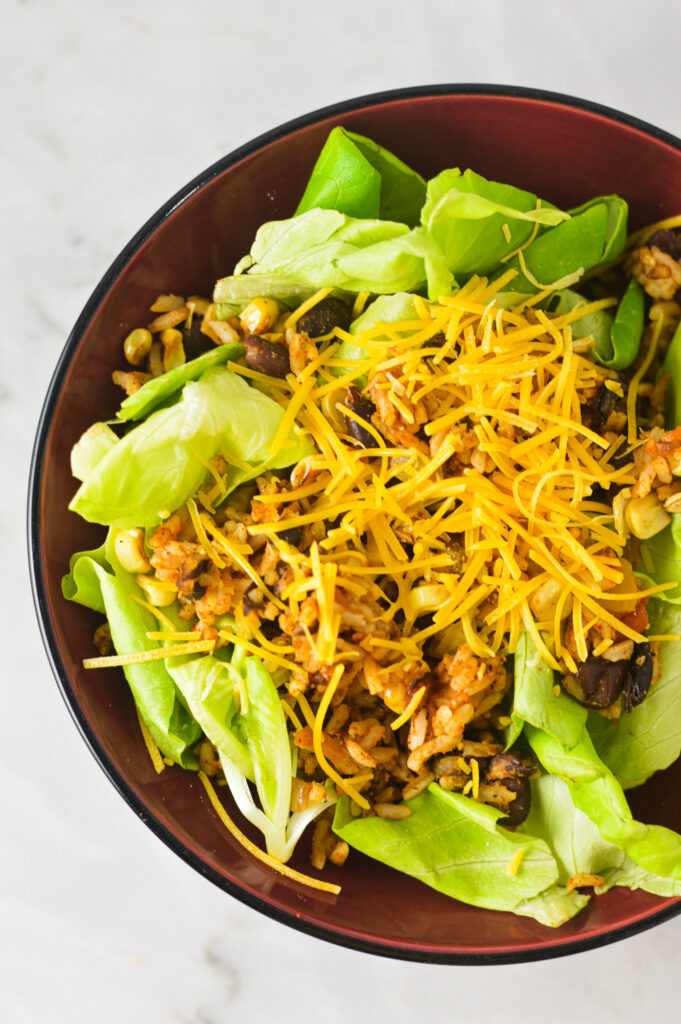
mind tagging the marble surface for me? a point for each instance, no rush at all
(108, 110)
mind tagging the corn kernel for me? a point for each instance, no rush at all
(129, 549)
(619, 508)
(173, 349)
(646, 516)
(260, 316)
(155, 363)
(137, 345)
(157, 594)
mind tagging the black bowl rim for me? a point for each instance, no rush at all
(36, 566)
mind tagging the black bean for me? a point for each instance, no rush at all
(517, 809)
(188, 581)
(510, 764)
(292, 536)
(323, 317)
(252, 600)
(668, 241)
(640, 675)
(623, 456)
(429, 680)
(193, 341)
(598, 682)
(266, 357)
(457, 554)
(364, 407)
(596, 414)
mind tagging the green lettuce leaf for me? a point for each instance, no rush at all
(207, 685)
(627, 329)
(233, 294)
(617, 337)
(596, 792)
(598, 324)
(324, 248)
(466, 215)
(564, 252)
(649, 738)
(534, 699)
(456, 846)
(94, 444)
(252, 742)
(618, 216)
(168, 385)
(662, 555)
(268, 741)
(168, 720)
(672, 366)
(579, 847)
(387, 309)
(154, 467)
(362, 179)
(81, 584)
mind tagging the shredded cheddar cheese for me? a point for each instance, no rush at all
(409, 710)
(150, 744)
(513, 866)
(140, 657)
(265, 858)
(514, 377)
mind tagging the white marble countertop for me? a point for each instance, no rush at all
(109, 108)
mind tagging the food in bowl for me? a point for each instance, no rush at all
(392, 546)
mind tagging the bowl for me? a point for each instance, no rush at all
(561, 148)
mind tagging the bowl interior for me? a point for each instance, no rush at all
(565, 154)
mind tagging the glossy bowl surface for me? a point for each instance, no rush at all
(563, 149)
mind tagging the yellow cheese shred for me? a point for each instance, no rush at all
(156, 612)
(513, 866)
(307, 305)
(317, 738)
(201, 534)
(151, 744)
(409, 710)
(140, 657)
(265, 858)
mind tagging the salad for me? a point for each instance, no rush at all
(394, 545)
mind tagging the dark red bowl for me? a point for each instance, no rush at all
(565, 150)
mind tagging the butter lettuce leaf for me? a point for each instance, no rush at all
(534, 699)
(596, 792)
(93, 445)
(592, 235)
(627, 329)
(207, 685)
(672, 366)
(457, 846)
(617, 336)
(325, 248)
(252, 742)
(618, 217)
(81, 583)
(356, 176)
(388, 309)
(649, 738)
(662, 553)
(155, 468)
(598, 324)
(168, 720)
(233, 294)
(477, 222)
(578, 846)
